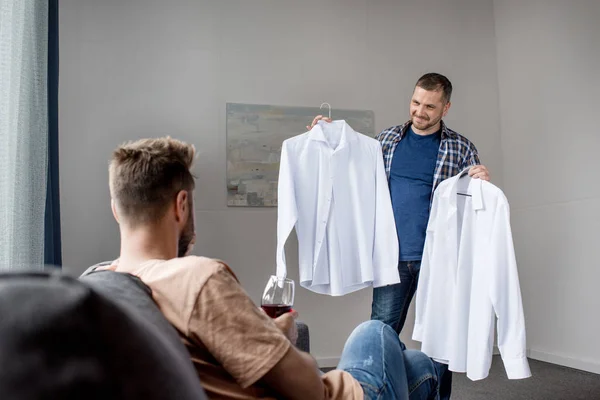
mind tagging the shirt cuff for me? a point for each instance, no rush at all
(517, 368)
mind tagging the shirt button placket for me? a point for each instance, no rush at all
(331, 166)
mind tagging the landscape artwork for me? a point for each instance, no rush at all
(254, 137)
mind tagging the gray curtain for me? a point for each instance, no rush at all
(23, 131)
(52, 242)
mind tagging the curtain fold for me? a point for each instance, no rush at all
(23, 132)
(52, 232)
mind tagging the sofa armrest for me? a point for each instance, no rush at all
(303, 342)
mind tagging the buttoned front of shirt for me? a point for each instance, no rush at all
(333, 190)
(468, 278)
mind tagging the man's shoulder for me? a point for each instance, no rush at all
(201, 268)
(199, 262)
(391, 132)
(177, 283)
(461, 139)
(170, 275)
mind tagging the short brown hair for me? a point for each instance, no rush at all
(146, 175)
(433, 81)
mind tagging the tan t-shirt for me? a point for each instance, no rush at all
(233, 344)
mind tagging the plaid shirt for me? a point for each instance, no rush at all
(456, 152)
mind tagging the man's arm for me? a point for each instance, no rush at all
(296, 376)
(295, 364)
(248, 344)
(471, 159)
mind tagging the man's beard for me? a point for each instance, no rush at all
(426, 123)
(186, 238)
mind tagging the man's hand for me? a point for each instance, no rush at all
(317, 119)
(479, 172)
(287, 324)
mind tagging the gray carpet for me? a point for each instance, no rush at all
(549, 382)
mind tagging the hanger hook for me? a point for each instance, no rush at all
(329, 106)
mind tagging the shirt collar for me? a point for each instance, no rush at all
(475, 190)
(404, 129)
(348, 134)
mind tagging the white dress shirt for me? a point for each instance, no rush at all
(468, 279)
(333, 190)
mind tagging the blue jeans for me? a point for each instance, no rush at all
(379, 361)
(390, 303)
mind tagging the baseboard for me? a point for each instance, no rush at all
(584, 365)
(328, 362)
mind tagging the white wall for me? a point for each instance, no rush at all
(138, 68)
(548, 63)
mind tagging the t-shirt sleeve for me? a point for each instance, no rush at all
(243, 339)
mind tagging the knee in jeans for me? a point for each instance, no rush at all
(372, 324)
(372, 327)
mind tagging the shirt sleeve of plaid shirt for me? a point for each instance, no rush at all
(387, 138)
(471, 156)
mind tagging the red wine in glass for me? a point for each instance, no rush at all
(276, 310)
(278, 297)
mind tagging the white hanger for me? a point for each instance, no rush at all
(329, 106)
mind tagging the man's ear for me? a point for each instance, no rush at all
(446, 108)
(113, 207)
(181, 206)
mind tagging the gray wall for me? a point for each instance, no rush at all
(139, 68)
(548, 63)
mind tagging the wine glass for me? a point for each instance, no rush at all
(278, 297)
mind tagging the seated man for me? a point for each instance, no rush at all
(237, 350)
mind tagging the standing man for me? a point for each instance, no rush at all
(418, 155)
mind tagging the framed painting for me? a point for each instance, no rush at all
(254, 137)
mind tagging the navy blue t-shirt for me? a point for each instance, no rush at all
(411, 182)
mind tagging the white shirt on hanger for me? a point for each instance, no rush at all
(468, 278)
(334, 191)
